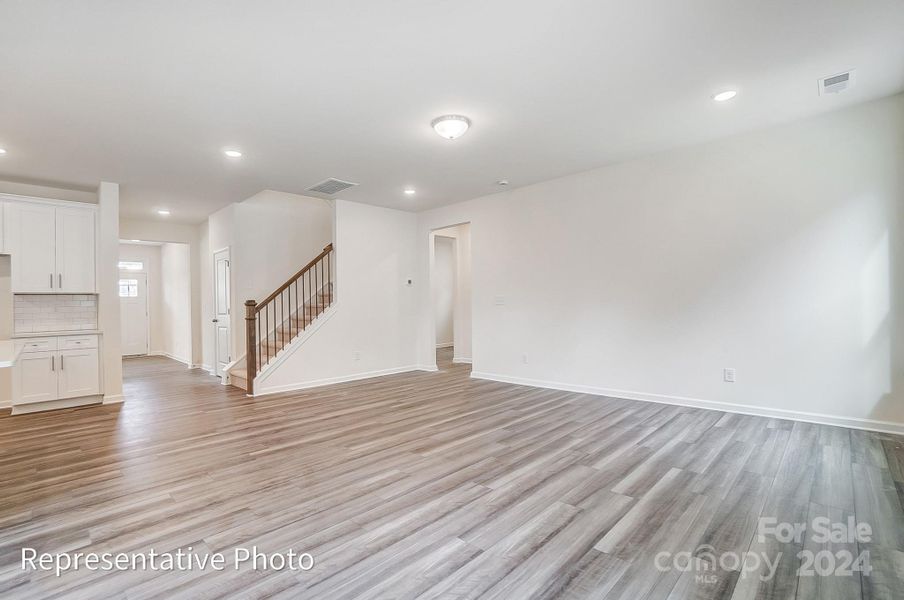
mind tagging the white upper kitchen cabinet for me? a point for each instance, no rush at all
(74, 250)
(52, 246)
(31, 242)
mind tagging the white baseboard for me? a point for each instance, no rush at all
(184, 361)
(742, 409)
(24, 409)
(341, 379)
(114, 399)
(429, 368)
(207, 368)
(445, 345)
(460, 360)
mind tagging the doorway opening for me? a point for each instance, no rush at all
(155, 300)
(450, 281)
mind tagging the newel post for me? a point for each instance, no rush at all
(250, 344)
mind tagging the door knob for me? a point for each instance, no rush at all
(215, 320)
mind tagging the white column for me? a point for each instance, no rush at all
(108, 296)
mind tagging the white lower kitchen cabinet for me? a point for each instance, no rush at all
(78, 373)
(37, 377)
(57, 368)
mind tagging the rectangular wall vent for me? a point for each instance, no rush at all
(836, 83)
(331, 186)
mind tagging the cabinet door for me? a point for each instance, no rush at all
(37, 374)
(30, 233)
(74, 250)
(3, 249)
(78, 372)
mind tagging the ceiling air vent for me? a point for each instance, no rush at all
(331, 186)
(836, 83)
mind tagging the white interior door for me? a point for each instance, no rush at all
(221, 311)
(133, 302)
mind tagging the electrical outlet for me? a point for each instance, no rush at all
(728, 375)
(524, 358)
(356, 355)
(499, 300)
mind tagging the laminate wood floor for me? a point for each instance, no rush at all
(433, 485)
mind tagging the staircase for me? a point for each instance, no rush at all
(274, 323)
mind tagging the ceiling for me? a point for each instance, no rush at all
(148, 94)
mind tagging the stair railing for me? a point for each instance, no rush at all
(271, 324)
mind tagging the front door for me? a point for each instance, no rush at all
(221, 312)
(133, 303)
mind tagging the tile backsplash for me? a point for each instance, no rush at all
(35, 313)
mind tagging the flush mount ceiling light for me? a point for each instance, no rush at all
(232, 153)
(163, 212)
(409, 191)
(725, 96)
(451, 126)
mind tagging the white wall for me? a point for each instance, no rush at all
(277, 234)
(175, 263)
(376, 311)
(271, 236)
(150, 256)
(205, 287)
(777, 253)
(443, 282)
(463, 300)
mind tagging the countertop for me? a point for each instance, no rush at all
(8, 353)
(18, 336)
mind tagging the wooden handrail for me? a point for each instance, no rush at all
(291, 280)
(272, 324)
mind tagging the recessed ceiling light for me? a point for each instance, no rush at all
(451, 126)
(2, 150)
(163, 212)
(502, 182)
(724, 96)
(409, 191)
(232, 153)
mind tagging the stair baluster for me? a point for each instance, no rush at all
(260, 329)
